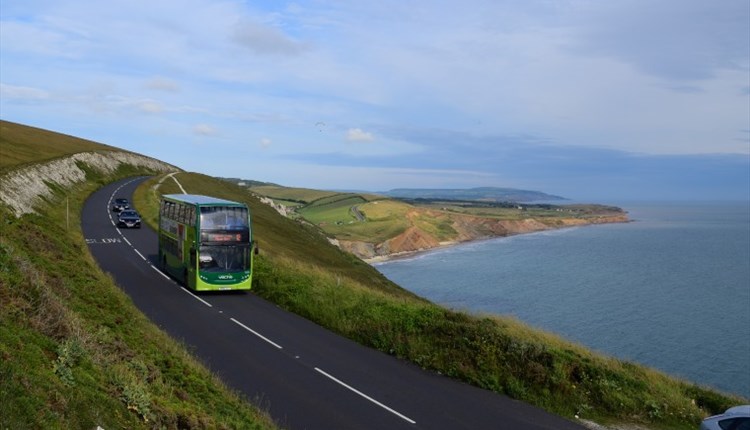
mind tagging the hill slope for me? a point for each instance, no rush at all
(299, 270)
(375, 227)
(494, 194)
(74, 351)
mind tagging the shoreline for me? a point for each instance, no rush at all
(448, 244)
(406, 254)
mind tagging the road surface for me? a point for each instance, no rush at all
(305, 376)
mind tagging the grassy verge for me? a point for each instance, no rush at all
(300, 271)
(76, 353)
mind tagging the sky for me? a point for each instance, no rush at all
(598, 101)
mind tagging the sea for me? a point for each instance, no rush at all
(670, 289)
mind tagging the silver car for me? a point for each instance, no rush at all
(736, 418)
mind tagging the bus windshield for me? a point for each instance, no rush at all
(224, 258)
(223, 218)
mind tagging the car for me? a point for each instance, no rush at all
(735, 418)
(129, 219)
(120, 205)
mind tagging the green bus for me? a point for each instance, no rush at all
(205, 242)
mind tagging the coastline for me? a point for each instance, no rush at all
(406, 254)
(376, 259)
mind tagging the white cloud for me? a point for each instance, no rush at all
(162, 84)
(263, 39)
(150, 106)
(22, 93)
(204, 130)
(627, 80)
(359, 135)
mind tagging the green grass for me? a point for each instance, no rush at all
(66, 331)
(74, 350)
(300, 271)
(300, 195)
(21, 144)
(278, 237)
(332, 209)
(495, 353)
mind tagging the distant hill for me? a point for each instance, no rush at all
(249, 182)
(481, 193)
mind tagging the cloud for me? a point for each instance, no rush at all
(673, 39)
(162, 84)
(149, 106)
(265, 40)
(359, 135)
(265, 143)
(22, 93)
(204, 130)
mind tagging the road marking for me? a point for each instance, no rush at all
(128, 242)
(256, 333)
(160, 272)
(136, 251)
(393, 411)
(196, 297)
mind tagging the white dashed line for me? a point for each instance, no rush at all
(196, 297)
(160, 272)
(141, 255)
(256, 333)
(393, 411)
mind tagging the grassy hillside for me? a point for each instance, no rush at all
(21, 144)
(76, 353)
(300, 271)
(373, 226)
(74, 350)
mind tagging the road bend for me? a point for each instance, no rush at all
(305, 376)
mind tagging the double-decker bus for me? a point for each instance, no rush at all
(205, 242)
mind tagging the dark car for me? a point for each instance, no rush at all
(129, 219)
(120, 205)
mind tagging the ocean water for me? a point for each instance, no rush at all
(670, 290)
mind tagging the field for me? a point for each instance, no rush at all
(374, 219)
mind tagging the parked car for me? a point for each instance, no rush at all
(120, 205)
(736, 418)
(129, 219)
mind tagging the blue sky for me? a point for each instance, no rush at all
(588, 99)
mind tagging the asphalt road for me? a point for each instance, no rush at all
(306, 376)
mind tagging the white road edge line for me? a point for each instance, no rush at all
(256, 333)
(400, 415)
(141, 255)
(160, 272)
(128, 242)
(196, 297)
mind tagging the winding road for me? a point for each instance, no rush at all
(305, 376)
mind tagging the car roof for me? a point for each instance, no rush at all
(738, 410)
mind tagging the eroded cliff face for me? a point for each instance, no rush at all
(22, 189)
(467, 228)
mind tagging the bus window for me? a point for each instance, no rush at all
(232, 218)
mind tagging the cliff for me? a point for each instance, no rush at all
(466, 228)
